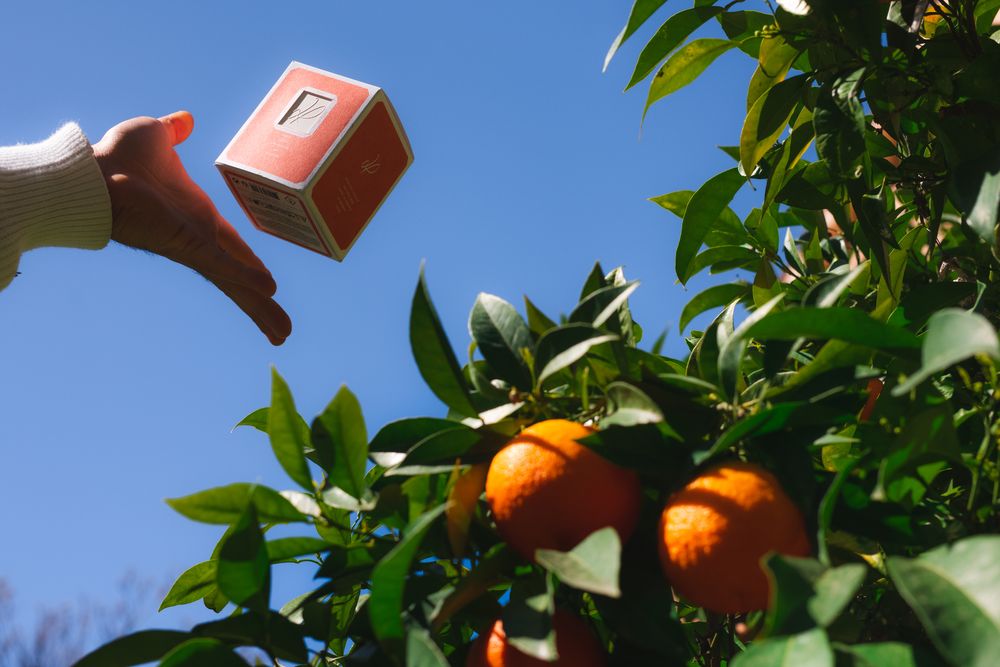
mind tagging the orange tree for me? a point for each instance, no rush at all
(814, 483)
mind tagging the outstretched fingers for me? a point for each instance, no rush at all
(269, 317)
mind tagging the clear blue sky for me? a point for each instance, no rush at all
(123, 373)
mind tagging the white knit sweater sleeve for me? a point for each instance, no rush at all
(51, 194)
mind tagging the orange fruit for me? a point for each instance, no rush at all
(715, 530)
(548, 491)
(575, 645)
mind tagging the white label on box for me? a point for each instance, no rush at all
(307, 110)
(278, 212)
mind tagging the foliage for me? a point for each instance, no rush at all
(872, 140)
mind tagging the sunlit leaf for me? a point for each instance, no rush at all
(434, 355)
(705, 207)
(684, 66)
(955, 592)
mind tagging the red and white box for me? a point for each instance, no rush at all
(316, 159)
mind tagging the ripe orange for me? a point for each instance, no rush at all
(575, 645)
(715, 530)
(547, 491)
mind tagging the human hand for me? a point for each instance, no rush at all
(157, 207)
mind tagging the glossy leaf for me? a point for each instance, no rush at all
(718, 295)
(434, 355)
(640, 12)
(196, 582)
(271, 631)
(502, 337)
(955, 592)
(775, 59)
(808, 649)
(602, 304)
(592, 565)
(846, 324)
(806, 594)
(887, 654)
(670, 35)
(565, 345)
(243, 572)
(768, 118)
(288, 439)
(341, 441)
(285, 548)
(953, 335)
(684, 66)
(385, 606)
(225, 504)
(705, 207)
(421, 651)
(137, 648)
(202, 653)
(538, 321)
(527, 618)
(257, 419)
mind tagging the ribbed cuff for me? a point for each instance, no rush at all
(51, 194)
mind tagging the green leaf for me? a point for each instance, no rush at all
(719, 295)
(538, 321)
(601, 305)
(527, 618)
(887, 654)
(725, 255)
(202, 653)
(225, 504)
(768, 118)
(592, 565)
(270, 631)
(976, 186)
(502, 337)
(385, 606)
(434, 355)
(955, 592)
(341, 441)
(288, 439)
(705, 207)
(839, 120)
(675, 30)
(731, 350)
(193, 584)
(421, 651)
(389, 446)
(809, 649)
(135, 649)
(953, 335)
(629, 405)
(641, 11)
(243, 572)
(775, 59)
(595, 281)
(846, 324)
(652, 449)
(291, 547)
(562, 346)
(806, 594)
(257, 419)
(443, 446)
(684, 66)
(921, 450)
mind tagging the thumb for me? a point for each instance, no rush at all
(179, 126)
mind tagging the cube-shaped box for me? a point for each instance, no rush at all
(316, 159)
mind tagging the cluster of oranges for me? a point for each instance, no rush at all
(547, 491)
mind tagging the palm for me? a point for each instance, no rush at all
(157, 207)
